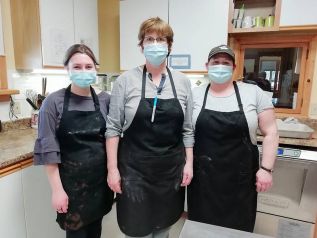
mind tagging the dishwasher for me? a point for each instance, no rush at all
(289, 208)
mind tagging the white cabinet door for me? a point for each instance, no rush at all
(39, 214)
(12, 217)
(198, 26)
(294, 12)
(57, 30)
(86, 24)
(132, 14)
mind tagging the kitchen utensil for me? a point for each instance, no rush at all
(44, 81)
(32, 104)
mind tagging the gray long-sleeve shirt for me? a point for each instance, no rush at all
(46, 149)
(126, 95)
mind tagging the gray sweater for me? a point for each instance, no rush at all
(46, 149)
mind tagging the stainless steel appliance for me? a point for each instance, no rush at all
(289, 208)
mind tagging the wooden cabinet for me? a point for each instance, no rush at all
(132, 14)
(12, 216)
(253, 11)
(44, 29)
(296, 13)
(198, 26)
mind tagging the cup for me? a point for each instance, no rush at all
(238, 23)
(269, 21)
(34, 119)
(248, 22)
(258, 21)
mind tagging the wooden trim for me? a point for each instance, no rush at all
(16, 167)
(299, 28)
(5, 98)
(3, 73)
(8, 92)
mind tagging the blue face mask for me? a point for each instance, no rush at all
(83, 79)
(155, 53)
(220, 74)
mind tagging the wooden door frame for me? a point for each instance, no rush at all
(239, 42)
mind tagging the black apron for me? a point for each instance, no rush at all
(83, 165)
(223, 190)
(151, 160)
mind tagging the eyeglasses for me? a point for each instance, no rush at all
(151, 40)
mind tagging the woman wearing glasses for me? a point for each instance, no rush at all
(148, 167)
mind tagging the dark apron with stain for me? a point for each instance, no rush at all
(223, 190)
(83, 165)
(151, 160)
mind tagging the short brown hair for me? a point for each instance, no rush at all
(79, 48)
(156, 24)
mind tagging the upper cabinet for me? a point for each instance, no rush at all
(132, 14)
(254, 15)
(44, 29)
(198, 26)
(295, 13)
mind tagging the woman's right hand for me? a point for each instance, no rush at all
(114, 180)
(60, 201)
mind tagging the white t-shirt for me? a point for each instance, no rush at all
(253, 98)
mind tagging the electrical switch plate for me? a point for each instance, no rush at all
(17, 108)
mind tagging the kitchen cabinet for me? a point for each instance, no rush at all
(39, 214)
(132, 14)
(198, 26)
(86, 24)
(44, 29)
(239, 10)
(12, 216)
(295, 13)
(184, 16)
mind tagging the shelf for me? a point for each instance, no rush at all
(255, 8)
(255, 29)
(6, 93)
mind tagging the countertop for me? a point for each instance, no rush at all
(202, 230)
(16, 145)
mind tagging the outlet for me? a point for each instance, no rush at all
(17, 108)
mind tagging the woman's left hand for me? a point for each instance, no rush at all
(264, 180)
(187, 174)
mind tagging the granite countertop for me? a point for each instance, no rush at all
(16, 145)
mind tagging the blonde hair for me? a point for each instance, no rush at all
(157, 25)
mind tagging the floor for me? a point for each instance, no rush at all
(110, 227)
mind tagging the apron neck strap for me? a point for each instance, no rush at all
(67, 97)
(237, 96)
(144, 82)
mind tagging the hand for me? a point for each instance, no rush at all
(264, 180)
(60, 201)
(187, 174)
(114, 180)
